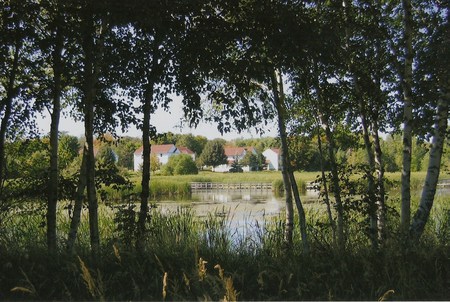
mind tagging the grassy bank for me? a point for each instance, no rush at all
(189, 258)
(185, 258)
(178, 187)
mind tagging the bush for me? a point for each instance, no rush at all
(181, 164)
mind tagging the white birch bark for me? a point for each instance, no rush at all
(405, 215)
(426, 201)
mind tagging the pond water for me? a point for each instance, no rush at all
(245, 210)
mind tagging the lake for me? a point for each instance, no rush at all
(245, 210)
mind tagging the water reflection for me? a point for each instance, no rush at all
(245, 210)
(238, 203)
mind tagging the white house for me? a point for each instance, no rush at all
(233, 154)
(273, 160)
(163, 152)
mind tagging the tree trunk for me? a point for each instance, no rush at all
(325, 188)
(335, 180)
(290, 183)
(426, 201)
(54, 138)
(381, 206)
(6, 105)
(371, 196)
(405, 215)
(145, 181)
(371, 204)
(89, 87)
(378, 160)
(76, 215)
(289, 220)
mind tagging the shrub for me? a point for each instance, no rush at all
(181, 164)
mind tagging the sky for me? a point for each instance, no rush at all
(164, 121)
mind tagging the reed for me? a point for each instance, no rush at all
(186, 257)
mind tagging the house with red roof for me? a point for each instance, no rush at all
(186, 150)
(234, 154)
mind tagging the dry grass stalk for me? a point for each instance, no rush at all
(28, 290)
(386, 295)
(94, 289)
(164, 289)
(201, 269)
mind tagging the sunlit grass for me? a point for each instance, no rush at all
(186, 257)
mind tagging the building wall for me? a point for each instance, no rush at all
(273, 159)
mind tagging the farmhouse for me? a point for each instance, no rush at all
(163, 152)
(234, 154)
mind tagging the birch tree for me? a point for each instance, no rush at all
(406, 82)
(52, 35)
(434, 95)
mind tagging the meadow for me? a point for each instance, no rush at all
(186, 258)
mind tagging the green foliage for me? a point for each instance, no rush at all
(189, 257)
(213, 154)
(155, 165)
(181, 164)
(278, 187)
(106, 156)
(194, 143)
(236, 167)
(125, 151)
(256, 162)
(67, 150)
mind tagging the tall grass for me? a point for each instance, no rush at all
(178, 187)
(186, 257)
(190, 258)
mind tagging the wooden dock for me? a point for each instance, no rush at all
(231, 186)
(443, 183)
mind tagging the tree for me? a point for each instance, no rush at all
(236, 166)
(52, 36)
(194, 143)
(407, 84)
(320, 96)
(214, 153)
(181, 164)
(16, 56)
(67, 150)
(435, 94)
(154, 163)
(150, 42)
(106, 156)
(250, 160)
(125, 149)
(93, 28)
(368, 60)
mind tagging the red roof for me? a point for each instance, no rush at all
(185, 150)
(236, 151)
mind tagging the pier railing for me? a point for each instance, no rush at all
(231, 186)
(444, 182)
